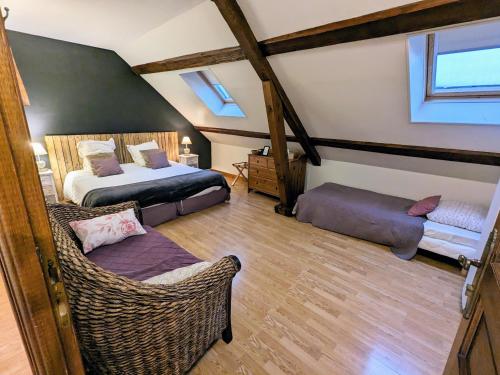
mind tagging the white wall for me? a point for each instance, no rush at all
(403, 183)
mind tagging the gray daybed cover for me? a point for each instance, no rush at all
(148, 193)
(363, 214)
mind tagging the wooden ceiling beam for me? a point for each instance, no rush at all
(437, 153)
(238, 24)
(419, 16)
(194, 60)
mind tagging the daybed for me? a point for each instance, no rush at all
(383, 219)
(126, 326)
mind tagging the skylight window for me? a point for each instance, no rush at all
(454, 75)
(212, 93)
(473, 72)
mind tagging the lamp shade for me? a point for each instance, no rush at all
(38, 149)
(186, 141)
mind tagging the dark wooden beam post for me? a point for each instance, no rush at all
(274, 110)
(238, 24)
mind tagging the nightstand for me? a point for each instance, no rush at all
(48, 186)
(189, 160)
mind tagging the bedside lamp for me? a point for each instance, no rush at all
(186, 141)
(39, 150)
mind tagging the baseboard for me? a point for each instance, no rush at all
(226, 174)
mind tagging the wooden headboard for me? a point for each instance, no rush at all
(63, 154)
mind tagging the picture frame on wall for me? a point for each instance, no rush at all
(265, 151)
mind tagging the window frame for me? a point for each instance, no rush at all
(432, 94)
(204, 77)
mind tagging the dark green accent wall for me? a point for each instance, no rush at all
(76, 89)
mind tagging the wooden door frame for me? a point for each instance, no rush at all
(468, 325)
(26, 242)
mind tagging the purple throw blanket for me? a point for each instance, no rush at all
(363, 214)
(142, 257)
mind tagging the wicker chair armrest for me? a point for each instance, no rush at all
(220, 273)
(91, 276)
(68, 212)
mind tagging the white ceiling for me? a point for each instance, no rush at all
(98, 23)
(355, 91)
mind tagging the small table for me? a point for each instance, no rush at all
(241, 166)
(48, 186)
(189, 159)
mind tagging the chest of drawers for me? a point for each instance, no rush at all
(262, 175)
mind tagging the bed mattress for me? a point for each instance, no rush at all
(78, 183)
(449, 240)
(451, 234)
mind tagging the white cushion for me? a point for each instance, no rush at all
(135, 151)
(107, 229)
(459, 214)
(178, 274)
(86, 148)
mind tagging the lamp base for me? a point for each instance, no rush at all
(186, 150)
(41, 165)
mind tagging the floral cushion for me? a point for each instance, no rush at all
(107, 229)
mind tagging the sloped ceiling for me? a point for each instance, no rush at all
(356, 91)
(97, 23)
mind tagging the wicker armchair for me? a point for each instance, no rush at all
(128, 327)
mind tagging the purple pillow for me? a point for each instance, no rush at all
(155, 159)
(424, 206)
(105, 164)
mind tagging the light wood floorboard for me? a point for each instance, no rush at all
(13, 358)
(308, 301)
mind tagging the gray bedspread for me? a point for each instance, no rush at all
(148, 193)
(363, 214)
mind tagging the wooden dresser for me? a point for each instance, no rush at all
(262, 175)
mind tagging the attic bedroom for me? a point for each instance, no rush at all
(250, 187)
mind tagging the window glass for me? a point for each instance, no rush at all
(477, 69)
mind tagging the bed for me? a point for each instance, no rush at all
(163, 194)
(381, 219)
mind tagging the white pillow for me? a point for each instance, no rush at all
(86, 148)
(179, 274)
(135, 151)
(107, 229)
(459, 214)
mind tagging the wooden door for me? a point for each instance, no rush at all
(27, 253)
(476, 349)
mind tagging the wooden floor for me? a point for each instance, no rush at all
(13, 359)
(308, 301)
